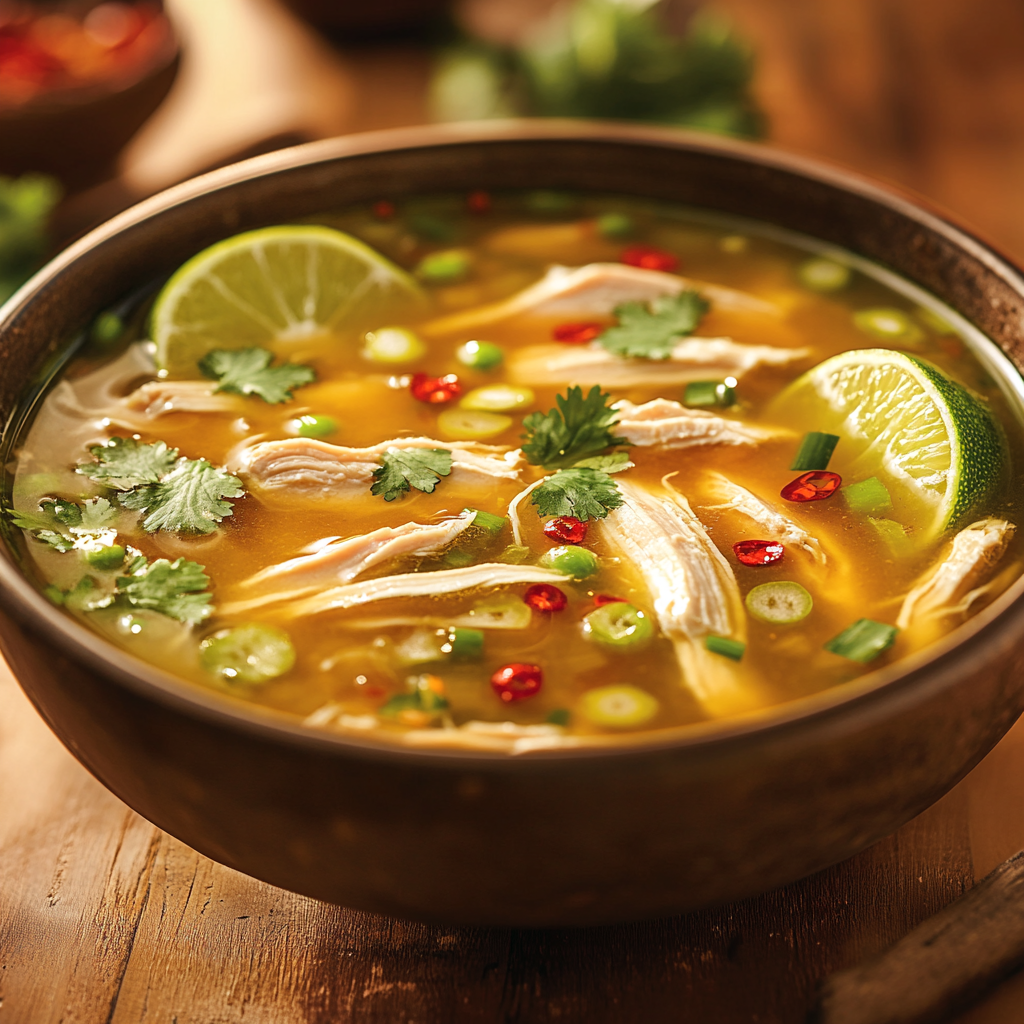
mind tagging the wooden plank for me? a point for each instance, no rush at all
(943, 964)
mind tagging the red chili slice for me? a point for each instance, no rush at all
(479, 202)
(577, 333)
(383, 209)
(649, 258)
(602, 599)
(517, 681)
(435, 390)
(543, 597)
(566, 530)
(758, 552)
(813, 486)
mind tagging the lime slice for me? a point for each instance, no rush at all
(931, 442)
(275, 285)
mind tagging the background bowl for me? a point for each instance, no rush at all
(658, 825)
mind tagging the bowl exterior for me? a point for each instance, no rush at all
(555, 839)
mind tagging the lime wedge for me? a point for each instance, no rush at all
(931, 442)
(275, 285)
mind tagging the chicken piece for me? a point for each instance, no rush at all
(593, 290)
(694, 591)
(691, 359)
(343, 560)
(772, 523)
(666, 424)
(486, 575)
(945, 589)
(162, 396)
(307, 468)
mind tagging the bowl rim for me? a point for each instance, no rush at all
(911, 679)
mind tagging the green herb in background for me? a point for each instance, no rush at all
(607, 59)
(25, 206)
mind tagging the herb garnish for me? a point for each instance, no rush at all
(61, 524)
(586, 491)
(577, 428)
(123, 463)
(176, 589)
(402, 468)
(650, 330)
(247, 371)
(178, 493)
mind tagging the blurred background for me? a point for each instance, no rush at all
(104, 103)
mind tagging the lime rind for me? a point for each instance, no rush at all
(902, 418)
(272, 285)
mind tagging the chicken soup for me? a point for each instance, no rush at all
(520, 471)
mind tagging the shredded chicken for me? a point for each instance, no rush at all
(343, 560)
(946, 588)
(594, 290)
(307, 468)
(504, 736)
(770, 521)
(692, 359)
(486, 575)
(163, 396)
(663, 423)
(693, 588)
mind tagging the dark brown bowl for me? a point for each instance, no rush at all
(661, 824)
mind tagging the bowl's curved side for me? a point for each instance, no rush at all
(530, 843)
(542, 841)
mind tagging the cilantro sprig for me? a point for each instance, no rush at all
(247, 371)
(402, 468)
(61, 524)
(650, 330)
(585, 491)
(180, 494)
(577, 428)
(177, 589)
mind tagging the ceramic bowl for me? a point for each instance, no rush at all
(665, 823)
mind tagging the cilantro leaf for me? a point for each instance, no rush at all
(188, 499)
(177, 588)
(583, 493)
(577, 428)
(650, 330)
(614, 463)
(123, 463)
(58, 521)
(247, 371)
(402, 468)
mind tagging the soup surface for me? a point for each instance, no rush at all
(584, 467)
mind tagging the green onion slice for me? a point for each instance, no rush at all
(823, 275)
(252, 653)
(618, 706)
(815, 451)
(618, 625)
(707, 393)
(488, 521)
(392, 345)
(864, 641)
(869, 496)
(887, 324)
(780, 603)
(723, 645)
(465, 643)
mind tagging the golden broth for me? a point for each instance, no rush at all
(345, 660)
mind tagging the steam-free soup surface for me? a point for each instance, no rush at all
(571, 603)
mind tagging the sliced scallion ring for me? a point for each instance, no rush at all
(248, 654)
(498, 398)
(779, 603)
(620, 707)
(392, 345)
(470, 425)
(823, 275)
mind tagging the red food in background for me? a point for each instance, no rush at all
(48, 50)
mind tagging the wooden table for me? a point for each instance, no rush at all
(103, 918)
